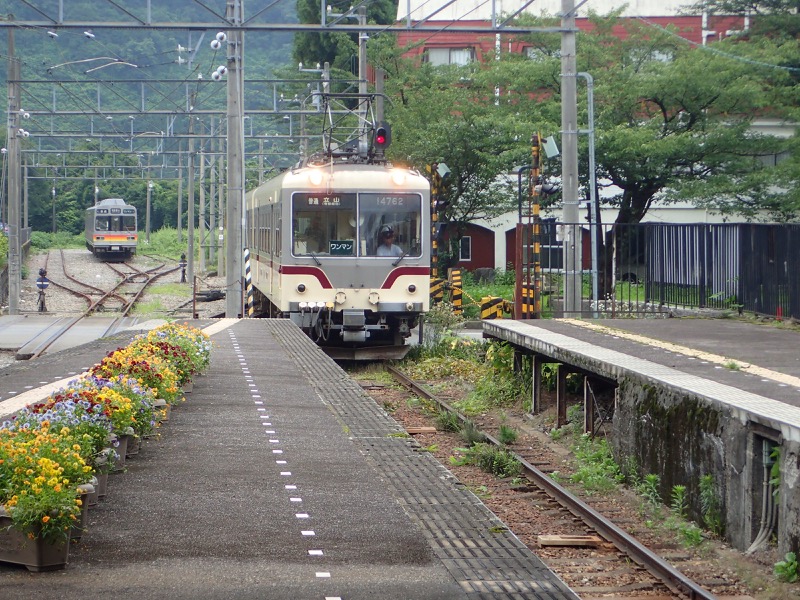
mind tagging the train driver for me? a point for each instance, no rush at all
(387, 246)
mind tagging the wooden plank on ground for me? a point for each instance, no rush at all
(415, 430)
(570, 540)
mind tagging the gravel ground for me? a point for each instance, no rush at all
(162, 300)
(737, 576)
(166, 299)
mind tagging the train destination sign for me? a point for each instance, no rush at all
(324, 200)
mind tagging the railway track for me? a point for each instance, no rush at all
(615, 563)
(117, 297)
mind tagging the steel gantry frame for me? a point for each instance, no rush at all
(51, 19)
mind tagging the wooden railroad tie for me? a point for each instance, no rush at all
(570, 540)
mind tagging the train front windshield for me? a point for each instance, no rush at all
(364, 224)
(115, 223)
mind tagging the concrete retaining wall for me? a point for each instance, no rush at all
(682, 437)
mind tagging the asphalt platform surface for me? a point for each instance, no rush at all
(277, 478)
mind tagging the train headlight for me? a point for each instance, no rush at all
(398, 177)
(340, 297)
(412, 288)
(374, 298)
(320, 305)
(315, 177)
(303, 305)
(301, 287)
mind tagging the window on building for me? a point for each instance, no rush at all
(539, 53)
(465, 249)
(450, 56)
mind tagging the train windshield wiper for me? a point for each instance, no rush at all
(402, 256)
(316, 260)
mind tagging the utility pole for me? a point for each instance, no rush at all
(235, 213)
(25, 193)
(569, 163)
(220, 211)
(54, 205)
(180, 191)
(362, 76)
(212, 199)
(190, 200)
(202, 212)
(149, 193)
(14, 255)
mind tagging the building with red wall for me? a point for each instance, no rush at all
(482, 244)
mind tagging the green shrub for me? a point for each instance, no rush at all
(3, 250)
(43, 240)
(447, 421)
(507, 435)
(787, 570)
(596, 472)
(679, 503)
(489, 459)
(709, 504)
(471, 435)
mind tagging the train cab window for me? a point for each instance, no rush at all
(101, 224)
(390, 224)
(322, 224)
(129, 223)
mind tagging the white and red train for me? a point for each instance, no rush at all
(343, 249)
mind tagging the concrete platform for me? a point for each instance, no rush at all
(279, 478)
(693, 399)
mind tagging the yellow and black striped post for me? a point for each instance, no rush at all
(536, 226)
(456, 290)
(436, 189)
(492, 307)
(437, 290)
(529, 308)
(248, 284)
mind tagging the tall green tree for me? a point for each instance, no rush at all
(672, 121)
(337, 48)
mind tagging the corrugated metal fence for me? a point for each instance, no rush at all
(653, 267)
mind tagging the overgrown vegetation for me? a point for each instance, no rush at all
(787, 569)
(3, 250)
(490, 459)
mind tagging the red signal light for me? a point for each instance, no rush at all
(383, 136)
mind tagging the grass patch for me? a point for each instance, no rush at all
(180, 290)
(148, 309)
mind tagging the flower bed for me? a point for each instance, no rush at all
(50, 449)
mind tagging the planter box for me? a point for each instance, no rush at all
(35, 555)
(134, 443)
(85, 490)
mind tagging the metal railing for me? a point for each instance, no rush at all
(652, 268)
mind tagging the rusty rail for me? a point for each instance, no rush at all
(630, 546)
